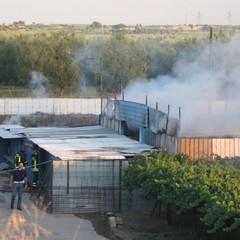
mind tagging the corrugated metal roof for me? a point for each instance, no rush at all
(6, 134)
(87, 142)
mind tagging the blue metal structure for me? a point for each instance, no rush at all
(154, 127)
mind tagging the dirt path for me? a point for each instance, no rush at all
(34, 223)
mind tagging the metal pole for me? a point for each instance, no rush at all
(179, 110)
(168, 117)
(180, 116)
(119, 188)
(67, 176)
(210, 71)
(113, 187)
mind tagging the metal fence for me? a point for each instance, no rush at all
(80, 186)
(208, 148)
(25, 106)
(144, 116)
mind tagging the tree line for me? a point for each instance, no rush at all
(74, 61)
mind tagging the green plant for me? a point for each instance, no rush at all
(209, 188)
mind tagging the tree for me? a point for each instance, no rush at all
(61, 68)
(95, 25)
(52, 56)
(121, 60)
(163, 54)
(11, 63)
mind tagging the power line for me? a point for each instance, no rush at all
(29, 166)
(229, 18)
(199, 15)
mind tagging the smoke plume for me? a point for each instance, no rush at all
(88, 59)
(205, 88)
(38, 84)
(13, 120)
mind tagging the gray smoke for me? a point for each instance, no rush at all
(38, 84)
(88, 59)
(13, 120)
(206, 89)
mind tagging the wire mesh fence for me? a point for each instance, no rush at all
(24, 106)
(33, 112)
(84, 186)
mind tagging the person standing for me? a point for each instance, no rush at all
(18, 179)
(34, 167)
(20, 157)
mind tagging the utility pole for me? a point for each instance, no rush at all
(210, 72)
(199, 17)
(229, 16)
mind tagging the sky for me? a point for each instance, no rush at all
(129, 12)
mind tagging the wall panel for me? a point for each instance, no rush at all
(206, 148)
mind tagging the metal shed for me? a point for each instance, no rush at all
(80, 168)
(10, 143)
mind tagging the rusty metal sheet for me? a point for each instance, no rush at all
(208, 148)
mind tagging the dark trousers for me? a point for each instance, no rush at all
(17, 190)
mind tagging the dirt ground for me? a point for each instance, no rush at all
(138, 226)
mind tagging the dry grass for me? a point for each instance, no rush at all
(23, 225)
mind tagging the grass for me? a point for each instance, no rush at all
(14, 92)
(21, 92)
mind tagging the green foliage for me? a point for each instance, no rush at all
(110, 64)
(95, 25)
(222, 36)
(11, 63)
(162, 55)
(120, 61)
(113, 56)
(211, 188)
(50, 54)
(60, 66)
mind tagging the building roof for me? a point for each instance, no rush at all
(86, 142)
(6, 134)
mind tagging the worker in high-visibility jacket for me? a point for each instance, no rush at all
(20, 157)
(34, 167)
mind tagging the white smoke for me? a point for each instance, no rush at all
(206, 88)
(13, 120)
(38, 84)
(88, 59)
